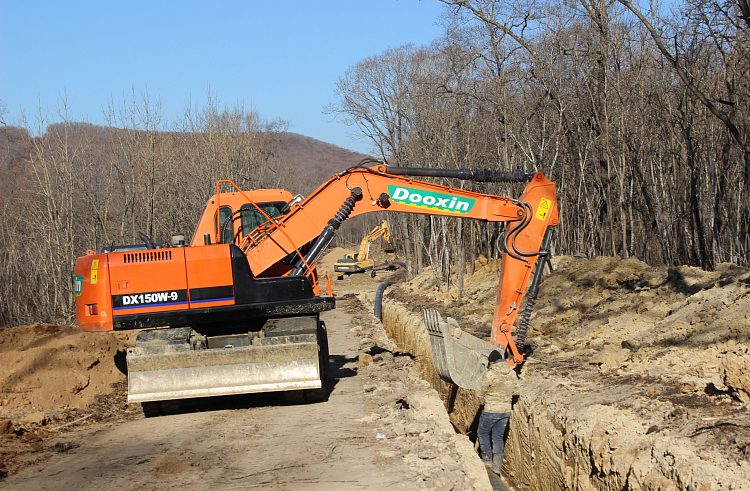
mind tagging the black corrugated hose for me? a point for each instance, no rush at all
(379, 298)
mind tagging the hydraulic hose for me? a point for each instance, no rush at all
(379, 298)
(224, 225)
(346, 209)
(328, 233)
(477, 175)
(533, 292)
(516, 229)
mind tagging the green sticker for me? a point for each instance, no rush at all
(78, 284)
(429, 200)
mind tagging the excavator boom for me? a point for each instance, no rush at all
(384, 188)
(364, 246)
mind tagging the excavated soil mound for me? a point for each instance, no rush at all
(46, 367)
(636, 377)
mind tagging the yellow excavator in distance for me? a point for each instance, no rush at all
(360, 262)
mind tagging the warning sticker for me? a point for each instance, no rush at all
(545, 206)
(78, 284)
(94, 271)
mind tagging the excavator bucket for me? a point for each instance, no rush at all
(165, 364)
(459, 357)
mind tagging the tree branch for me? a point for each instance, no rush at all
(686, 79)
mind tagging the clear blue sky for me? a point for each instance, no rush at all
(280, 57)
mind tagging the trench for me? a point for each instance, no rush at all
(406, 329)
(595, 413)
(543, 451)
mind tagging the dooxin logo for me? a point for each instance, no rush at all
(430, 201)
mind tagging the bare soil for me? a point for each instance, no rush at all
(65, 422)
(635, 377)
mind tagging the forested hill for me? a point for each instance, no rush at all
(313, 160)
(15, 149)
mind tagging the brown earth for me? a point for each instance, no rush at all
(48, 367)
(381, 425)
(636, 377)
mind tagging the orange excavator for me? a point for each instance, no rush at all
(238, 309)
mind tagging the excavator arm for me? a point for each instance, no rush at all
(360, 262)
(364, 246)
(311, 224)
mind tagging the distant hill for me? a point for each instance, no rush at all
(15, 148)
(316, 160)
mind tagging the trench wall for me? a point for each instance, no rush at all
(407, 330)
(558, 440)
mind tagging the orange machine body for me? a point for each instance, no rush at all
(152, 281)
(166, 286)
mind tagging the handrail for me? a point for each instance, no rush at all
(276, 225)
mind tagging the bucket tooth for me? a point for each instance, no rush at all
(459, 357)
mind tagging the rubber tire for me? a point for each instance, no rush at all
(299, 397)
(161, 408)
(315, 395)
(294, 397)
(324, 355)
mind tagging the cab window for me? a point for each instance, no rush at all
(252, 218)
(228, 234)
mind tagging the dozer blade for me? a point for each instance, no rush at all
(177, 372)
(459, 357)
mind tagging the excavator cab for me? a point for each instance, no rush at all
(251, 216)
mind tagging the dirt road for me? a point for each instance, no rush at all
(381, 427)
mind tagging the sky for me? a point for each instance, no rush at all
(281, 58)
